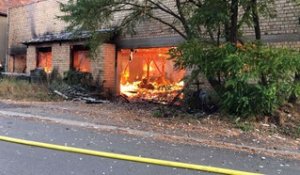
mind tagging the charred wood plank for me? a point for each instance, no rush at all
(61, 94)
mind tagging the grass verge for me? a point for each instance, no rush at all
(11, 88)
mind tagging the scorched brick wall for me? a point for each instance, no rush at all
(29, 21)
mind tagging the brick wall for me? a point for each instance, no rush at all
(285, 22)
(6, 4)
(39, 18)
(31, 58)
(109, 66)
(29, 21)
(61, 57)
(103, 67)
(151, 28)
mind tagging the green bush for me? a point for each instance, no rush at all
(252, 79)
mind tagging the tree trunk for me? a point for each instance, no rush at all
(234, 8)
(255, 19)
(227, 32)
(226, 26)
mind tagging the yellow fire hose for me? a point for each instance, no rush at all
(126, 157)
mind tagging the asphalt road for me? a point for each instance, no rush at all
(19, 159)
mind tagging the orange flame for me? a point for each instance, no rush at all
(150, 76)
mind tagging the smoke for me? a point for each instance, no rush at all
(31, 11)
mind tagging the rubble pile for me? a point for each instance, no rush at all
(78, 93)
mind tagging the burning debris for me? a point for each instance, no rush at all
(149, 75)
(151, 92)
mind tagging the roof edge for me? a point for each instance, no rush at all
(63, 37)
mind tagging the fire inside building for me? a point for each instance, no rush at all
(148, 73)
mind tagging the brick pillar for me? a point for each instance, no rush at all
(103, 67)
(109, 70)
(61, 57)
(31, 59)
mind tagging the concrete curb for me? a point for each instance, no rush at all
(154, 135)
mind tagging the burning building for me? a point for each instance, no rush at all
(134, 65)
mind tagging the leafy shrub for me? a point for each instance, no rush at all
(252, 79)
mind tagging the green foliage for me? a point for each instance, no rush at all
(211, 14)
(251, 79)
(296, 89)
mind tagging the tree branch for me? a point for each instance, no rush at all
(183, 19)
(164, 9)
(168, 24)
